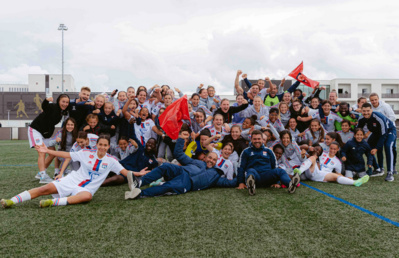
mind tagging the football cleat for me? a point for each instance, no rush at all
(251, 185)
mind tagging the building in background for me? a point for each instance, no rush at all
(45, 83)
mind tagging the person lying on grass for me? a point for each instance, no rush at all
(192, 175)
(79, 185)
(328, 163)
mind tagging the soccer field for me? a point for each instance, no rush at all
(214, 222)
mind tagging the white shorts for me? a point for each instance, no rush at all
(36, 138)
(317, 175)
(68, 186)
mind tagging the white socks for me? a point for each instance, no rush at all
(345, 181)
(60, 201)
(22, 197)
(305, 165)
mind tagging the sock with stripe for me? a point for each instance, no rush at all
(60, 201)
(22, 197)
(345, 181)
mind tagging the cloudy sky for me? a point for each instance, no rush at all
(184, 43)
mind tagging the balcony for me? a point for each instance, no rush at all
(344, 95)
(390, 95)
(366, 95)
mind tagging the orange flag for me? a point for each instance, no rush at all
(298, 75)
(171, 118)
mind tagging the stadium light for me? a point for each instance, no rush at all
(62, 27)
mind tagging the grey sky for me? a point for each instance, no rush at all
(184, 43)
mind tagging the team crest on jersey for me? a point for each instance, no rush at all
(37, 140)
(104, 165)
(73, 108)
(150, 161)
(91, 156)
(374, 124)
(264, 153)
(147, 123)
(252, 153)
(90, 162)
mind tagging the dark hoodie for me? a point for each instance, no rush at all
(51, 115)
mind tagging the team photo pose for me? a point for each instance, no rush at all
(328, 162)
(80, 185)
(352, 154)
(192, 175)
(258, 166)
(42, 128)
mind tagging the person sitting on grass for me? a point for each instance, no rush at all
(143, 158)
(192, 175)
(258, 165)
(352, 154)
(80, 185)
(328, 162)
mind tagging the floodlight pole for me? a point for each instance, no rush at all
(62, 27)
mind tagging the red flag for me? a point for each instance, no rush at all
(298, 75)
(171, 118)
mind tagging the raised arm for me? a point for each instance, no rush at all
(179, 152)
(237, 83)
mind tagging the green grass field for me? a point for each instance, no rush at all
(214, 222)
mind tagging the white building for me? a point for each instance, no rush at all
(351, 89)
(48, 83)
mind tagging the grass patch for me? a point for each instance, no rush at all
(214, 222)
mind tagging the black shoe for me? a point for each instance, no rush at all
(377, 173)
(251, 185)
(295, 180)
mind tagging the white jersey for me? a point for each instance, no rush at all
(225, 165)
(214, 132)
(146, 104)
(155, 108)
(120, 154)
(346, 136)
(144, 130)
(92, 143)
(93, 170)
(329, 126)
(328, 164)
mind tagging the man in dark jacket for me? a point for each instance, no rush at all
(258, 165)
(192, 175)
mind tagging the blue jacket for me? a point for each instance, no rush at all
(354, 151)
(201, 176)
(380, 126)
(139, 159)
(261, 159)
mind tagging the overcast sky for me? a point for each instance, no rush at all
(185, 43)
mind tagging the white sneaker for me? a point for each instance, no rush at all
(135, 193)
(38, 175)
(45, 179)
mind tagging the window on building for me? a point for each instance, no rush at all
(389, 91)
(340, 91)
(364, 91)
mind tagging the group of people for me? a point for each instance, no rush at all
(270, 137)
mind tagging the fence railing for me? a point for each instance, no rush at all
(390, 95)
(344, 95)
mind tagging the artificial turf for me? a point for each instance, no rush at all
(214, 222)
